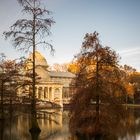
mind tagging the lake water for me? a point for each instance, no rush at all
(54, 125)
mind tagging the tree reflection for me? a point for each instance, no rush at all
(34, 130)
(112, 125)
(1, 129)
(105, 124)
(50, 122)
(34, 135)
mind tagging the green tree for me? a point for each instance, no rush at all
(31, 32)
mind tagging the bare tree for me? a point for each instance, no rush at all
(31, 32)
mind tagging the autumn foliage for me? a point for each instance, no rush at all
(99, 87)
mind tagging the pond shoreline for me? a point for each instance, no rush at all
(65, 107)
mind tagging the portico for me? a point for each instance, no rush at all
(49, 91)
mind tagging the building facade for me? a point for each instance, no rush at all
(51, 86)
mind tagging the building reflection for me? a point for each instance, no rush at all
(50, 122)
(17, 127)
(54, 125)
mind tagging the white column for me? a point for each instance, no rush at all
(61, 97)
(48, 93)
(52, 93)
(36, 92)
(42, 94)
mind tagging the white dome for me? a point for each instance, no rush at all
(41, 66)
(39, 59)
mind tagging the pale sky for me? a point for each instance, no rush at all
(117, 22)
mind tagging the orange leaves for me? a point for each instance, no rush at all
(130, 89)
(73, 68)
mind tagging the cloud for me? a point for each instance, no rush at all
(131, 56)
(130, 51)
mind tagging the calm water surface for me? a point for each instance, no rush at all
(54, 125)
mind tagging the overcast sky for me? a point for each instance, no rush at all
(117, 22)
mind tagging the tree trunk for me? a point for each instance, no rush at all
(97, 99)
(34, 82)
(97, 87)
(97, 95)
(97, 80)
(35, 127)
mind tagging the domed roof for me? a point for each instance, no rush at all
(41, 66)
(39, 59)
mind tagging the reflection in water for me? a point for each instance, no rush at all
(1, 129)
(127, 128)
(103, 124)
(50, 122)
(34, 130)
(54, 125)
